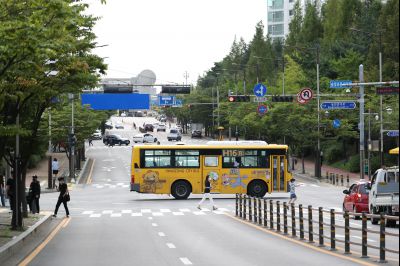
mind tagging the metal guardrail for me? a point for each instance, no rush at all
(258, 211)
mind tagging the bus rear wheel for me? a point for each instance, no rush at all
(181, 189)
(257, 188)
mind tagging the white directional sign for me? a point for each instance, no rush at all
(260, 99)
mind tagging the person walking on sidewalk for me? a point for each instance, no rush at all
(90, 141)
(10, 191)
(55, 168)
(207, 190)
(292, 187)
(34, 190)
(62, 198)
(2, 191)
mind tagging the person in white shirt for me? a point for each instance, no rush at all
(292, 187)
(55, 168)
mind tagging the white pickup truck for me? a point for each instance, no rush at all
(384, 193)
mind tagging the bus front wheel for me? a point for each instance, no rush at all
(257, 188)
(181, 189)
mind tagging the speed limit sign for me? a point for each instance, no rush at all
(306, 94)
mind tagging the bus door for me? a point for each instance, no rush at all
(212, 166)
(278, 168)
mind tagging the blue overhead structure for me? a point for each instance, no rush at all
(117, 101)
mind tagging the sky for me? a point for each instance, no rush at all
(171, 37)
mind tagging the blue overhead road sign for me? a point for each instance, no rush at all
(116, 101)
(393, 133)
(338, 105)
(260, 90)
(166, 100)
(339, 84)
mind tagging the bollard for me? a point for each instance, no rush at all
(271, 215)
(341, 180)
(382, 255)
(278, 216)
(285, 228)
(301, 222)
(250, 210)
(240, 206)
(244, 208)
(265, 213)
(346, 232)
(330, 178)
(327, 177)
(333, 230)
(364, 241)
(348, 180)
(337, 179)
(293, 220)
(237, 205)
(259, 211)
(255, 209)
(321, 227)
(310, 225)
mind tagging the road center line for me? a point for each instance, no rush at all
(161, 234)
(186, 261)
(170, 245)
(37, 250)
(154, 224)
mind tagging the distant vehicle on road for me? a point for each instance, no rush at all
(235, 168)
(384, 194)
(356, 198)
(144, 138)
(114, 139)
(123, 115)
(96, 135)
(138, 114)
(162, 127)
(196, 134)
(149, 127)
(174, 134)
(119, 126)
(108, 125)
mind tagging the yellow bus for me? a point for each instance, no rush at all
(253, 168)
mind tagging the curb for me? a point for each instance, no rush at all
(13, 247)
(82, 171)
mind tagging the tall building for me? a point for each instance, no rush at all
(280, 13)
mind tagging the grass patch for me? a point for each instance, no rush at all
(341, 165)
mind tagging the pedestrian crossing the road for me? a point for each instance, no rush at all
(153, 212)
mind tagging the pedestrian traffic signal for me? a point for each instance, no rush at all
(71, 139)
(238, 98)
(282, 98)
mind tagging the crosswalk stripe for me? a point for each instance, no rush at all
(136, 214)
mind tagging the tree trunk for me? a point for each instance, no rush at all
(23, 198)
(303, 170)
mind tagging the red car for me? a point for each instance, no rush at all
(357, 197)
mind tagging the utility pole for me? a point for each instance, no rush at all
(361, 125)
(318, 155)
(381, 102)
(50, 159)
(72, 144)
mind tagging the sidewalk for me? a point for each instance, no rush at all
(41, 170)
(309, 167)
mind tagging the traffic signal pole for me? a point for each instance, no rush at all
(318, 155)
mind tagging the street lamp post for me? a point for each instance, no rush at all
(361, 125)
(370, 140)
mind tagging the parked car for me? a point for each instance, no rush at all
(144, 138)
(149, 127)
(108, 125)
(174, 134)
(162, 127)
(119, 126)
(196, 134)
(96, 135)
(114, 139)
(357, 197)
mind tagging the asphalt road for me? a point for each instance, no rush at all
(110, 225)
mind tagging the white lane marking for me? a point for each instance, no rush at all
(165, 210)
(218, 212)
(107, 212)
(113, 186)
(184, 210)
(205, 209)
(97, 215)
(178, 213)
(314, 185)
(223, 209)
(87, 212)
(136, 214)
(145, 211)
(116, 215)
(170, 245)
(199, 213)
(161, 234)
(120, 184)
(186, 261)
(361, 238)
(124, 186)
(97, 186)
(154, 224)
(126, 211)
(150, 218)
(157, 214)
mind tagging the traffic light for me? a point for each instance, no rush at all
(238, 98)
(282, 99)
(71, 139)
